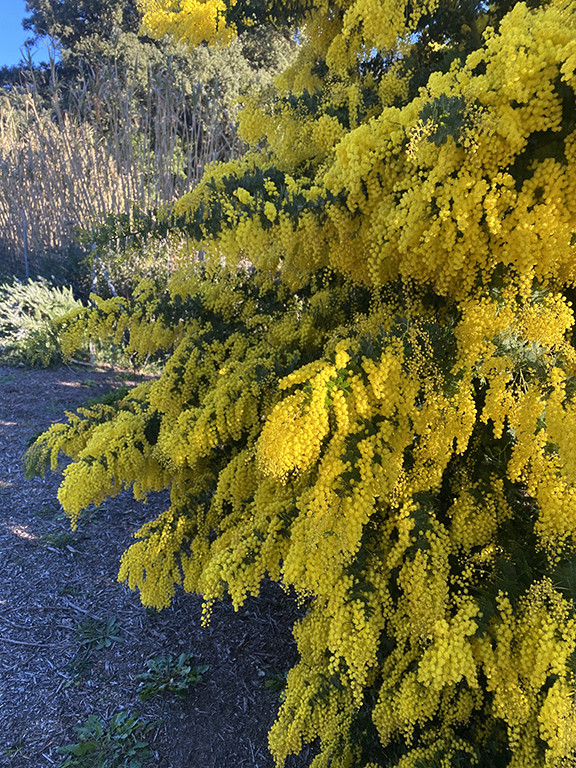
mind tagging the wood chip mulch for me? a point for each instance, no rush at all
(53, 582)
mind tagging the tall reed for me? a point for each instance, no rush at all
(69, 156)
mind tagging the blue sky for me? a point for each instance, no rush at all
(12, 35)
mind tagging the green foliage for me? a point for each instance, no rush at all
(445, 114)
(282, 14)
(97, 634)
(275, 682)
(71, 22)
(120, 744)
(29, 314)
(109, 398)
(134, 245)
(168, 674)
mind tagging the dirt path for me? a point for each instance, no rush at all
(55, 588)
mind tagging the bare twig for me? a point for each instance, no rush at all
(25, 642)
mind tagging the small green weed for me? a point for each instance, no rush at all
(97, 634)
(121, 744)
(60, 539)
(49, 510)
(167, 674)
(71, 590)
(16, 750)
(126, 375)
(78, 668)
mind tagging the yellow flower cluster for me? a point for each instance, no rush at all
(519, 657)
(189, 21)
(292, 437)
(116, 456)
(382, 24)
(431, 210)
(437, 214)
(153, 564)
(139, 328)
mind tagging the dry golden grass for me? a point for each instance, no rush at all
(96, 150)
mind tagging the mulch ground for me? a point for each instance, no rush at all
(56, 585)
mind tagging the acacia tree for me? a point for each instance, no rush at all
(370, 390)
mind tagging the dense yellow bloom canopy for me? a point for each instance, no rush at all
(189, 21)
(371, 389)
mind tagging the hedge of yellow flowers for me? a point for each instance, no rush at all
(370, 394)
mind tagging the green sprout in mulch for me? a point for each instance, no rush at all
(97, 634)
(121, 744)
(58, 539)
(168, 674)
(78, 668)
(17, 749)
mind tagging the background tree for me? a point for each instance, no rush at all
(74, 25)
(370, 389)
